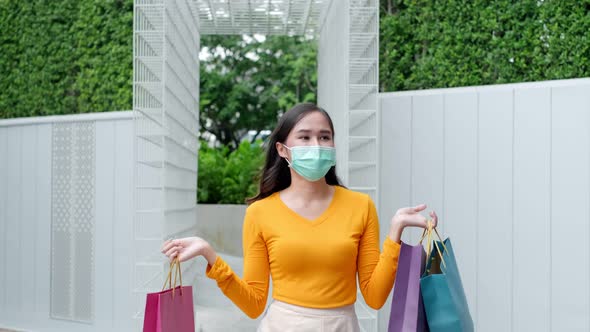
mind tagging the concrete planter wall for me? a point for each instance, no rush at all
(221, 226)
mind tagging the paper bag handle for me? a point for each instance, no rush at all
(175, 263)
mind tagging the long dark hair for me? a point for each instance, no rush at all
(275, 175)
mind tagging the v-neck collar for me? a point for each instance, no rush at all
(312, 222)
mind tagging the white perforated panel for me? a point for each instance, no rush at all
(72, 221)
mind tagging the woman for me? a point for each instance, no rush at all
(309, 233)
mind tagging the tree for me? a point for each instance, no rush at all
(247, 82)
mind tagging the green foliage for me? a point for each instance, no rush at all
(212, 163)
(246, 83)
(65, 56)
(228, 177)
(436, 44)
(104, 54)
(75, 56)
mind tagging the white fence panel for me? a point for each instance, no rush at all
(66, 222)
(507, 168)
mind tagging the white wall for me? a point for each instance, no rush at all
(507, 168)
(65, 222)
(347, 89)
(166, 112)
(333, 75)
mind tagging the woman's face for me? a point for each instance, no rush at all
(312, 129)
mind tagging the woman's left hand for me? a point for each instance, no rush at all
(409, 217)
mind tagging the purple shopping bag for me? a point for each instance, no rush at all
(407, 308)
(170, 310)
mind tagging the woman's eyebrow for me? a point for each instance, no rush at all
(323, 131)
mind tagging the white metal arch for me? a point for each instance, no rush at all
(166, 98)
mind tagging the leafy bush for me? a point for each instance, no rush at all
(65, 56)
(437, 44)
(75, 56)
(229, 177)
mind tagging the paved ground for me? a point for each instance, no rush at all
(214, 312)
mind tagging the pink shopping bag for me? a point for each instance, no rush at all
(170, 310)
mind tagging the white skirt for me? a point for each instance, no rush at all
(285, 317)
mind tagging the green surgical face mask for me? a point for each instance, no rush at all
(312, 162)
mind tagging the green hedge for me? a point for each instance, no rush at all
(65, 56)
(435, 44)
(229, 177)
(75, 56)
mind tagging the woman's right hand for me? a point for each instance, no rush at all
(189, 247)
(409, 217)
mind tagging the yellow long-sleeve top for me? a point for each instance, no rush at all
(313, 263)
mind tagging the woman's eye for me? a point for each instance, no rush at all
(326, 138)
(304, 137)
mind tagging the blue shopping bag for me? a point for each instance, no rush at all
(442, 290)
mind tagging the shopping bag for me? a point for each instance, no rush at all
(442, 290)
(407, 309)
(170, 310)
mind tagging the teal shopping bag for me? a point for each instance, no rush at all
(442, 290)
